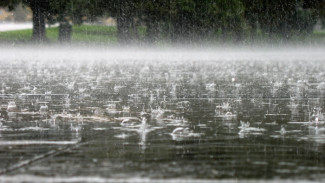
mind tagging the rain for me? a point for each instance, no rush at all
(162, 91)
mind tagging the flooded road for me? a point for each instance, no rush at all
(152, 121)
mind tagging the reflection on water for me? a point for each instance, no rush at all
(188, 121)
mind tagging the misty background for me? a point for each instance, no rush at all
(163, 22)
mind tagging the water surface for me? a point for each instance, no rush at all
(182, 119)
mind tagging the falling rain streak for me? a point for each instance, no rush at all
(194, 91)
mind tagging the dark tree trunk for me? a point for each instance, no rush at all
(65, 31)
(39, 10)
(123, 23)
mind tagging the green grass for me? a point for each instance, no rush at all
(80, 34)
(95, 30)
(20, 35)
(97, 34)
(318, 36)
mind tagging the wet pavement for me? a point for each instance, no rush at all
(156, 123)
(215, 149)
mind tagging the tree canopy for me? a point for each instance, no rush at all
(182, 20)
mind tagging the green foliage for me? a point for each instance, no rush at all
(188, 20)
(281, 18)
(11, 4)
(185, 5)
(75, 11)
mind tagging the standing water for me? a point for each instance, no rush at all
(196, 115)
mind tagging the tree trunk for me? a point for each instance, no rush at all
(123, 23)
(39, 32)
(65, 31)
(123, 33)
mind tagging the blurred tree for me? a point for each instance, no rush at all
(124, 20)
(60, 12)
(202, 19)
(63, 12)
(127, 15)
(280, 18)
(154, 14)
(40, 10)
(11, 4)
(180, 20)
(67, 12)
(230, 17)
(318, 6)
(251, 15)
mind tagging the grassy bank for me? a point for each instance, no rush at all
(80, 34)
(96, 34)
